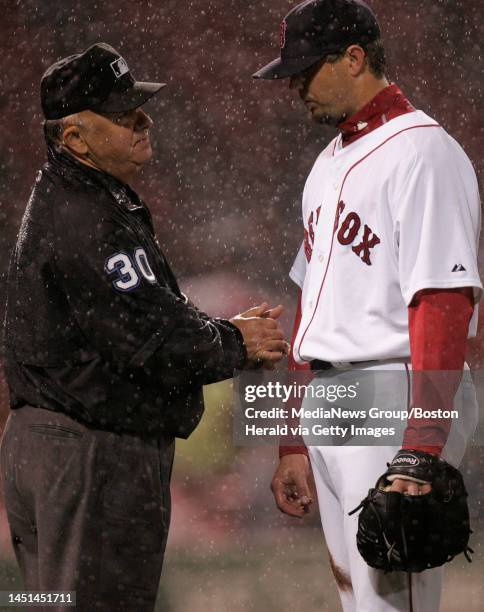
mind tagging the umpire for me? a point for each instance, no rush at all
(105, 357)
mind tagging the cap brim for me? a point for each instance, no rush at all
(282, 69)
(137, 95)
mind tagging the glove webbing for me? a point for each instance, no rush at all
(391, 554)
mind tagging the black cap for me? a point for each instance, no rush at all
(316, 28)
(97, 79)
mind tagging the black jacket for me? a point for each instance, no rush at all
(96, 326)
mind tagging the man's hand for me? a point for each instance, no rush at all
(263, 337)
(292, 485)
(407, 487)
(410, 472)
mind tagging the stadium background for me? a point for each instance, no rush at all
(231, 156)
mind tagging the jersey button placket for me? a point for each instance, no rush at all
(337, 175)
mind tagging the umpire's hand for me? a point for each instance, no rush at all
(263, 337)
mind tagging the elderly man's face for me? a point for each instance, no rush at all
(117, 143)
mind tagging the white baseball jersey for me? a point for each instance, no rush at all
(384, 217)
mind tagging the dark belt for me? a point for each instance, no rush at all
(317, 365)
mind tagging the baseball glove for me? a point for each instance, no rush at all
(412, 533)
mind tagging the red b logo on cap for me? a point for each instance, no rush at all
(282, 34)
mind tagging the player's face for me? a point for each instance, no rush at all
(118, 143)
(325, 89)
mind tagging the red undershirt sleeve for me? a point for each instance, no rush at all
(296, 446)
(438, 328)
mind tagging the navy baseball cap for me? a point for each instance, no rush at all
(316, 28)
(97, 79)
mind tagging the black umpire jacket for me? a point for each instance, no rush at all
(96, 325)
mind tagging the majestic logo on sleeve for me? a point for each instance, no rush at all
(349, 233)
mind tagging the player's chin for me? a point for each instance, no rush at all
(324, 119)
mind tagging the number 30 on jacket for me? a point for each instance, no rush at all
(129, 269)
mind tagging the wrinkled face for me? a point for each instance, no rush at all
(326, 90)
(118, 143)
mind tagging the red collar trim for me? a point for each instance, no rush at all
(385, 106)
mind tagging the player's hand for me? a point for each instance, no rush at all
(263, 337)
(292, 485)
(407, 487)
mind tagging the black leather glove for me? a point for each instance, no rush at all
(412, 533)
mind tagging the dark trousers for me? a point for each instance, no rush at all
(88, 510)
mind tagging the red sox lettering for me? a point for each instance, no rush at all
(309, 234)
(347, 234)
(349, 231)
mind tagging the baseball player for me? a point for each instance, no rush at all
(387, 273)
(105, 357)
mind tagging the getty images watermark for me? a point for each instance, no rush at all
(354, 407)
